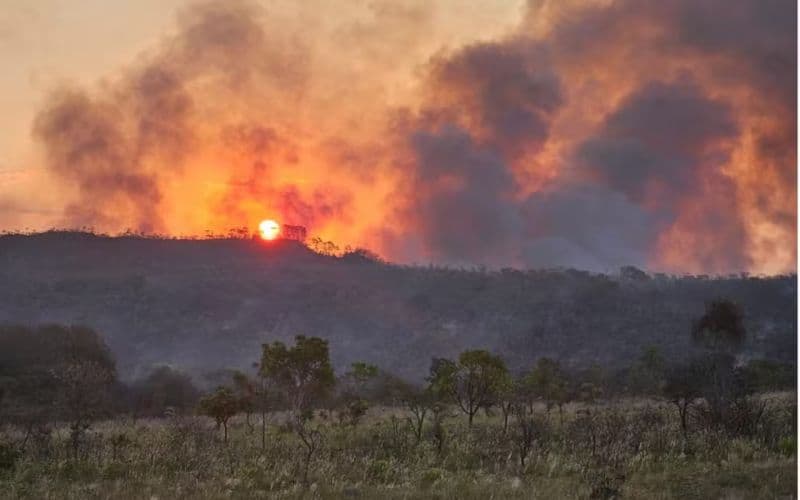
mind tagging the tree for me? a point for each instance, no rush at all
(323, 247)
(220, 405)
(267, 396)
(721, 327)
(510, 394)
(304, 375)
(85, 375)
(303, 372)
(246, 391)
(590, 384)
(682, 389)
(419, 403)
(354, 395)
(647, 375)
(548, 383)
(439, 433)
(473, 383)
(633, 273)
(164, 388)
(720, 330)
(526, 433)
(55, 372)
(83, 396)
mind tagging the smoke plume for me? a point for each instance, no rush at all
(591, 134)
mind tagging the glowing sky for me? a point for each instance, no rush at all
(549, 133)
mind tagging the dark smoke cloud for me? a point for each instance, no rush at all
(489, 103)
(162, 108)
(506, 92)
(227, 42)
(657, 143)
(104, 143)
(462, 198)
(589, 227)
(86, 144)
(653, 182)
(655, 133)
(665, 145)
(758, 36)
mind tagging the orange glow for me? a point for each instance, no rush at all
(353, 142)
(269, 229)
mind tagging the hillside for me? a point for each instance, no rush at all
(209, 304)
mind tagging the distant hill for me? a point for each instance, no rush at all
(210, 304)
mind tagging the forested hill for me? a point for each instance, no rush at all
(208, 304)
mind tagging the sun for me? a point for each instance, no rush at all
(269, 229)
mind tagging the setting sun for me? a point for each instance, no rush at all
(269, 229)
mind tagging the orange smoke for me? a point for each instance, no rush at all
(570, 140)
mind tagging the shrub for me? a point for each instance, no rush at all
(8, 456)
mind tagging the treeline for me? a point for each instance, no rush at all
(67, 375)
(208, 304)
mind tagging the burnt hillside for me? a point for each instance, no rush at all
(208, 304)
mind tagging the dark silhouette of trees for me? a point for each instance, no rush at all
(526, 432)
(721, 331)
(682, 388)
(509, 394)
(83, 396)
(547, 382)
(646, 376)
(246, 391)
(419, 402)
(55, 372)
(164, 388)
(302, 372)
(220, 405)
(304, 375)
(473, 383)
(721, 327)
(354, 397)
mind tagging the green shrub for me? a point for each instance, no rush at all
(430, 477)
(788, 446)
(378, 470)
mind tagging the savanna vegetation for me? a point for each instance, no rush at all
(207, 304)
(713, 426)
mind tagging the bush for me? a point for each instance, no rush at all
(8, 456)
(431, 477)
(788, 446)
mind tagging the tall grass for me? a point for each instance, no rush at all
(622, 449)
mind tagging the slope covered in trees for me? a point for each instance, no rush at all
(208, 304)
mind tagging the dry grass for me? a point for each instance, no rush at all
(632, 449)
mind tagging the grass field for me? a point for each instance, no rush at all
(627, 449)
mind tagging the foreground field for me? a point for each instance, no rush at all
(623, 449)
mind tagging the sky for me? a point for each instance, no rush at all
(589, 134)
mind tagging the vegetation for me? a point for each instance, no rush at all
(221, 405)
(203, 305)
(653, 430)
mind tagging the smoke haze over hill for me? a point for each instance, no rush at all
(203, 305)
